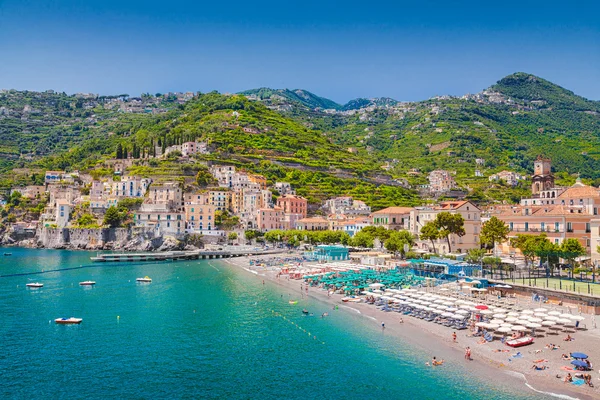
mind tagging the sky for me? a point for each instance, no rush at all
(407, 50)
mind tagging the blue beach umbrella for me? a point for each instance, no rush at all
(579, 355)
(579, 363)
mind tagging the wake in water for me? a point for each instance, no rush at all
(556, 395)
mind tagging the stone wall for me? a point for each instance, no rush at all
(91, 239)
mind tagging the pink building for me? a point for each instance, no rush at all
(270, 219)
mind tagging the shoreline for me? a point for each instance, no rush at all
(420, 334)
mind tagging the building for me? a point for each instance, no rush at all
(199, 216)
(54, 176)
(168, 194)
(31, 192)
(511, 178)
(223, 174)
(312, 224)
(542, 178)
(441, 181)
(260, 180)
(162, 220)
(284, 188)
(330, 253)
(63, 212)
(396, 218)
(219, 199)
(189, 148)
(347, 205)
(269, 219)
(471, 214)
(292, 204)
(353, 226)
(130, 186)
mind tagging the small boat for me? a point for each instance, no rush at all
(524, 341)
(292, 302)
(87, 283)
(8, 254)
(351, 299)
(144, 279)
(35, 285)
(305, 311)
(68, 321)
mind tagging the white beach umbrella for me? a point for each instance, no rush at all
(521, 322)
(519, 328)
(504, 329)
(453, 309)
(421, 292)
(541, 309)
(439, 301)
(535, 320)
(465, 306)
(448, 303)
(564, 321)
(459, 301)
(570, 323)
(548, 323)
(533, 325)
(526, 317)
(499, 310)
(469, 303)
(554, 313)
(463, 312)
(505, 325)
(481, 325)
(486, 312)
(540, 314)
(497, 321)
(447, 315)
(444, 289)
(500, 316)
(513, 314)
(567, 316)
(376, 285)
(493, 326)
(551, 318)
(510, 319)
(577, 317)
(527, 312)
(458, 316)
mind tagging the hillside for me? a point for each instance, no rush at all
(365, 151)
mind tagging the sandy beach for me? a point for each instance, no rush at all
(488, 359)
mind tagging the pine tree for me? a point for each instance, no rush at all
(119, 151)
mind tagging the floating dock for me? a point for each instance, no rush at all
(175, 255)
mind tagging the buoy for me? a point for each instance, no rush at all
(118, 317)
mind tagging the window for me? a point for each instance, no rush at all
(543, 226)
(556, 226)
(526, 226)
(569, 227)
(510, 225)
(588, 228)
(192, 210)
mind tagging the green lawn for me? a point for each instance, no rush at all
(555, 283)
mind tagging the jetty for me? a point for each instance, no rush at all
(179, 255)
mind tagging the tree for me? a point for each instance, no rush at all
(396, 241)
(449, 224)
(570, 249)
(362, 239)
(204, 178)
(86, 220)
(232, 236)
(250, 234)
(494, 231)
(475, 256)
(112, 217)
(119, 151)
(430, 232)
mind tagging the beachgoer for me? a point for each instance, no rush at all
(454, 337)
(401, 321)
(539, 368)
(565, 357)
(568, 378)
(568, 338)
(468, 353)
(382, 325)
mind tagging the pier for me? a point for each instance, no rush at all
(178, 255)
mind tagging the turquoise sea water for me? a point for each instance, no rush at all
(201, 329)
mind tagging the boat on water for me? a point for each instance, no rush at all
(524, 341)
(68, 321)
(145, 279)
(35, 285)
(292, 302)
(351, 299)
(87, 283)
(8, 254)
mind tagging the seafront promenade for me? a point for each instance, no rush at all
(181, 255)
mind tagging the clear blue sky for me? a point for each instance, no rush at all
(408, 50)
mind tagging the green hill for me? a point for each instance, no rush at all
(286, 136)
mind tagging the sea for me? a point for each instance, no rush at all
(201, 330)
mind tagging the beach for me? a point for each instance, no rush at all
(487, 359)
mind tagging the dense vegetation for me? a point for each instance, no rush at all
(286, 137)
